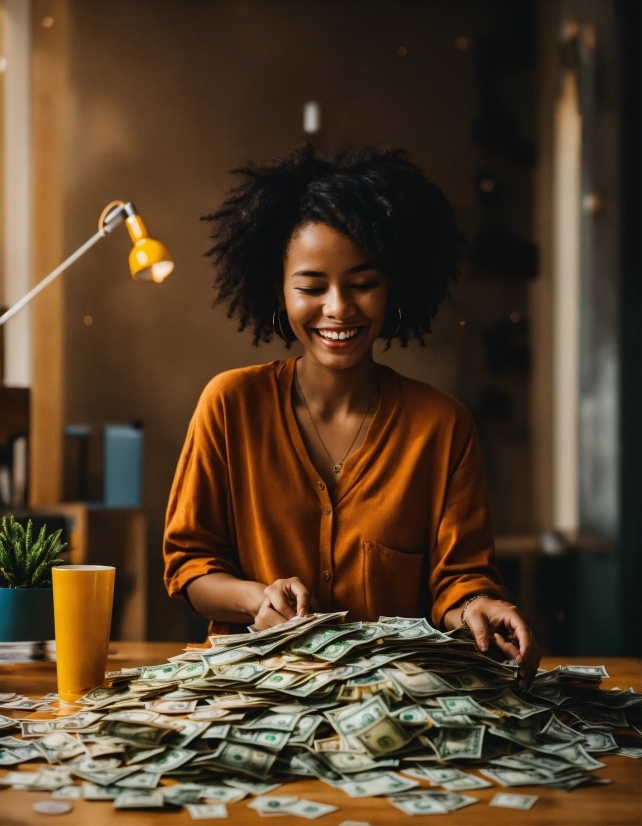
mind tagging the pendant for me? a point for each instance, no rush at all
(337, 468)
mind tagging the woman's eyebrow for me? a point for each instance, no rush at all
(367, 265)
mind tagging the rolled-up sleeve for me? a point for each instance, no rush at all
(463, 558)
(198, 537)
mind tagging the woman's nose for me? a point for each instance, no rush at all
(339, 305)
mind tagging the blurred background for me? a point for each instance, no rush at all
(525, 113)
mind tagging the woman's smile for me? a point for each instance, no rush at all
(339, 338)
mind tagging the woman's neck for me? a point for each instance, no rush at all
(330, 392)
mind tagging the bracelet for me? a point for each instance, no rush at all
(467, 603)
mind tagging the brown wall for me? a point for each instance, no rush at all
(166, 96)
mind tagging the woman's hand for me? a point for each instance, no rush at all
(283, 600)
(499, 622)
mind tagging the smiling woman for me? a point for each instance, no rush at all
(330, 482)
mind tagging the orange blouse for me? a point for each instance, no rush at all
(409, 517)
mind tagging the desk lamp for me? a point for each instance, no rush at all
(149, 260)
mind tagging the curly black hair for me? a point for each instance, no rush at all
(378, 198)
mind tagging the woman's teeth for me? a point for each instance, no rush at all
(332, 334)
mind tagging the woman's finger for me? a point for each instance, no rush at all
(478, 625)
(507, 647)
(268, 617)
(299, 594)
(518, 628)
(279, 600)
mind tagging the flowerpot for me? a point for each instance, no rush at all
(26, 614)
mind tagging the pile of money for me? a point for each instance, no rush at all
(368, 708)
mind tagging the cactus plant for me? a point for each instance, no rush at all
(25, 563)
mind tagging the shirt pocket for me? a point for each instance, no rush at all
(392, 581)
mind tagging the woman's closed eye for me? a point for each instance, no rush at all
(369, 285)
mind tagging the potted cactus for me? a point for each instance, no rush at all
(26, 598)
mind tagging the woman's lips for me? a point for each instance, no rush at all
(338, 344)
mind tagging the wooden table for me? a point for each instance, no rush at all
(618, 804)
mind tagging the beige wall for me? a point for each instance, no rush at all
(166, 96)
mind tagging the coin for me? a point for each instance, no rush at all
(52, 807)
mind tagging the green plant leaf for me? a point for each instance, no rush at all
(25, 563)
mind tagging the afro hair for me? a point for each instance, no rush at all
(378, 198)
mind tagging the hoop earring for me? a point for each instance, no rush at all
(276, 319)
(392, 335)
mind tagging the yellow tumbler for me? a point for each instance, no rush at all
(83, 596)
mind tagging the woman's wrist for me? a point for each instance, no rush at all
(453, 617)
(226, 598)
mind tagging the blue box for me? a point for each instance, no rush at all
(123, 466)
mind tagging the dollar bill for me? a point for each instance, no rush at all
(383, 737)
(463, 705)
(594, 672)
(171, 706)
(440, 718)
(423, 804)
(467, 783)
(513, 705)
(140, 780)
(271, 740)
(420, 685)
(182, 793)
(80, 721)
(517, 777)
(244, 759)
(310, 809)
(514, 801)
(320, 637)
(135, 799)
(373, 784)
(220, 793)
(458, 743)
(206, 811)
(137, 735)
(272, 805)
(67, 793)
(168, 761)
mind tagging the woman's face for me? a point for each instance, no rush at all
(335, 295)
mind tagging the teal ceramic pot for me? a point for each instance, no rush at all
(26, 614)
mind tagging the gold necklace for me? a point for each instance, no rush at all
(338, 467)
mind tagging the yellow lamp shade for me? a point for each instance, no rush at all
(149, 260)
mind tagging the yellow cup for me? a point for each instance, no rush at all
(83, 597)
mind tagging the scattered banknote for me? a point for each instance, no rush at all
(371, 709)
(206, 811)
(132, 799)
(514, 801)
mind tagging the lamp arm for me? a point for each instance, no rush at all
(53, 275)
